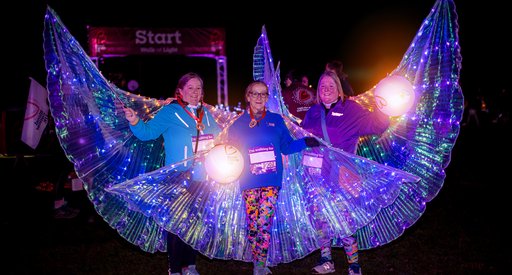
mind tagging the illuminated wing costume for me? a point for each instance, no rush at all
(139, 197)
(419, 142)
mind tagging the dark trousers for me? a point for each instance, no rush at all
(179, 254)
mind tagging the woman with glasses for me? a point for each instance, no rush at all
(340, 122)
(262, 137)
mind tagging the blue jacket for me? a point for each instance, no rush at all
(178, 129)
(262, 147)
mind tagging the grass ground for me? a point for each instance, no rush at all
(461, 232)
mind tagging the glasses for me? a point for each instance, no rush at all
(256, 95)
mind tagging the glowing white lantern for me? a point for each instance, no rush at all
(394, 95)
(224, 163)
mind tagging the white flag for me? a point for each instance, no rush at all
(36, 114)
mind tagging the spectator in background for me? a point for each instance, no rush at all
(289, 79)
(298, 96)
(294, 76)
(305, 80)
(61, 208)
(56, 179)
(471, 115)
(336, 66)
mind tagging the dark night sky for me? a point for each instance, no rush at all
(370, 38)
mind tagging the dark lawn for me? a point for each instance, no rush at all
(461, 232)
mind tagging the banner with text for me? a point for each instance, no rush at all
(110, 41)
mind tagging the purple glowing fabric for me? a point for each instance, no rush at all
(419, 142)
(138, 197)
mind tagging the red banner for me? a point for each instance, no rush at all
(109, 41)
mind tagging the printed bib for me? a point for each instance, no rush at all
(262, 160)
(313, 163)
(205, 142)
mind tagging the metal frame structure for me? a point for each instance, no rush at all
(222, 76)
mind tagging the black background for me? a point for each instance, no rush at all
(370, 37)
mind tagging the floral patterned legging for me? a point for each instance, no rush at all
(260, 204)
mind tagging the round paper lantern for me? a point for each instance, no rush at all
(394, 95)
(224, 163)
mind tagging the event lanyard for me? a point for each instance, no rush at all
(254, 122)
(322, 119)
(199, 123)
(324, 127)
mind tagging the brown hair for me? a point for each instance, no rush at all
(185, 78)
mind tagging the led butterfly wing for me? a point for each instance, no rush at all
(419, 142)
(95, 136)
(263, 70)
(377, 185)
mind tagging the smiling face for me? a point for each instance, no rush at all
(329, 88)
(192, 91)
(257, 96)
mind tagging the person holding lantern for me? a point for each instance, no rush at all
(187, 128)
(340, 121)
(262, 137)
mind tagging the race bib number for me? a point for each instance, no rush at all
(205, 142)
(313, 163)
(262, 160)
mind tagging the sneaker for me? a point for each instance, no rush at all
(325, 268)
(65, 212)
(261, 270)
(190, 270)
(354, 269)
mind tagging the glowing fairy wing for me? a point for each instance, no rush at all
(419, 142)
(94, 134)
(263, 63)
(211, 216)
(263, 70)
